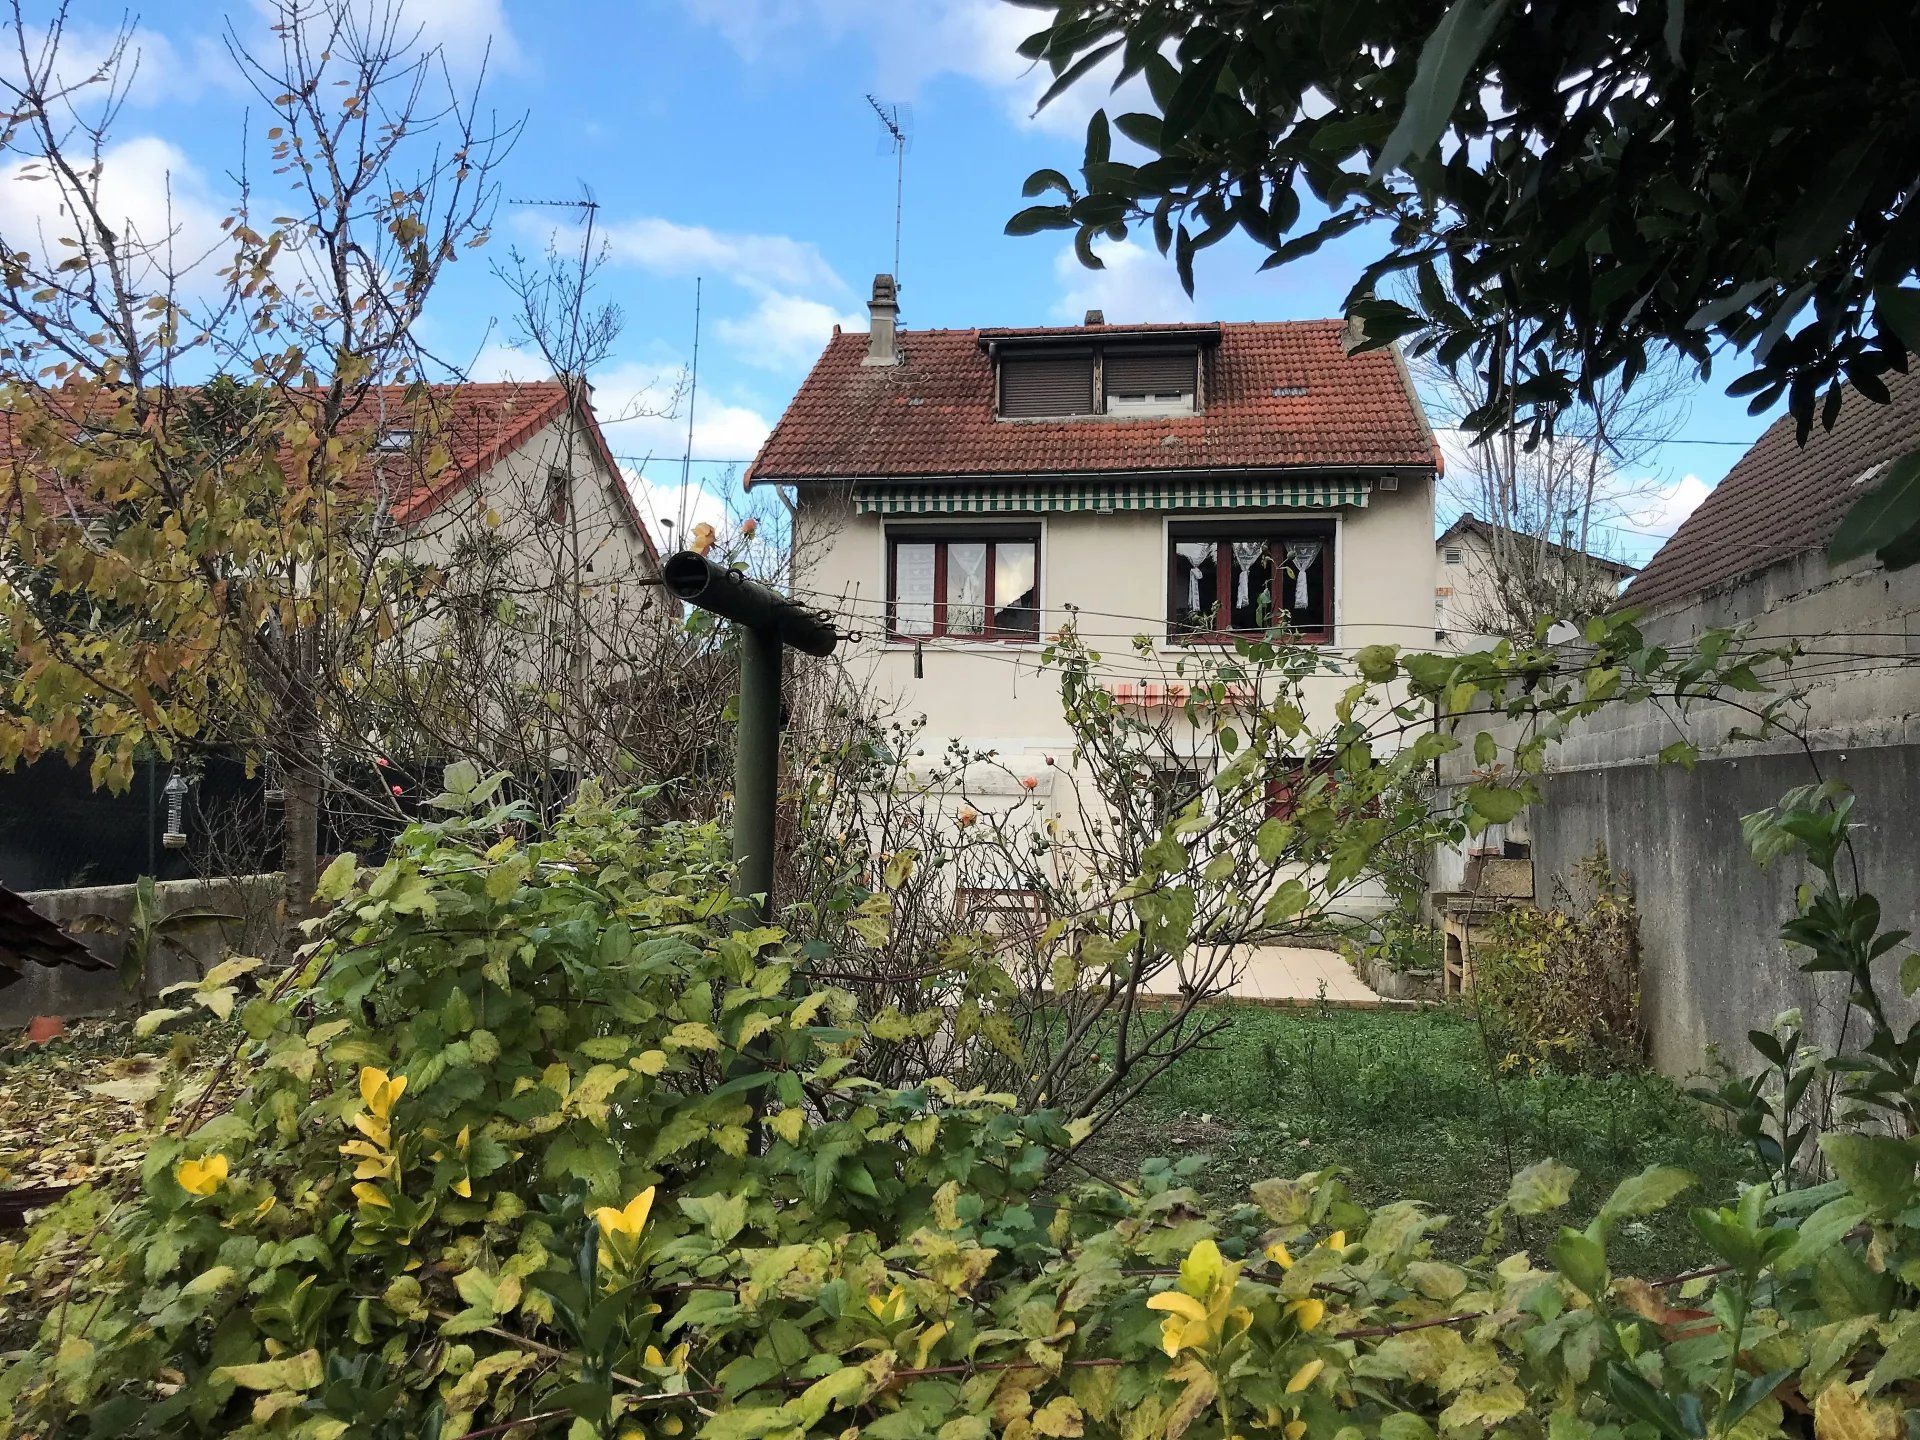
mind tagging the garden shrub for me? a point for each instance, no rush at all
(1559, 986)
(538, 1140)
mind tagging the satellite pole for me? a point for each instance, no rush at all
(894, 120)
(693, 392)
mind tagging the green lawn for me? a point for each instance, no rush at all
(1402, 1102)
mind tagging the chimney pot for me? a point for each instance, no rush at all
(883, 344)
(1095, 317)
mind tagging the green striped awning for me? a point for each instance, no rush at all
(947, 499)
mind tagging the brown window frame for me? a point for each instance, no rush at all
(1288, 776)
(1224, 531)
(940, 537)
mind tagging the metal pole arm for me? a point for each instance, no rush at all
(732, 596)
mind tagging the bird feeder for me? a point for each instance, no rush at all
(175, 836)
(275, 789)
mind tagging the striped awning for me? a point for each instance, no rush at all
(1159, 695)
(1100, 497)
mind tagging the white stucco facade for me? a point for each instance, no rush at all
(1112, 570)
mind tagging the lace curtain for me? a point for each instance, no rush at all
(966, 587)
(1246, 555)
(1300, 557)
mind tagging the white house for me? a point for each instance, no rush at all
(1466, 594)
(962, 494)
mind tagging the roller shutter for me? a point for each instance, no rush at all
(1164, 373)
(1032, 387)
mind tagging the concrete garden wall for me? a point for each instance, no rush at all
(69, 992)
(1712, 964)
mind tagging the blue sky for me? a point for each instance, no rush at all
(732, 140)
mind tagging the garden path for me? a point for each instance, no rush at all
(1283, 974)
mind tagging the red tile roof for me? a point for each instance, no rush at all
(479, 425)
(932, 415)
(1780, 500)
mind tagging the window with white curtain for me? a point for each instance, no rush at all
(964, 584)
(1247, 577)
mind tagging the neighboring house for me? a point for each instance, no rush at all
(1754, 555)
(529, 470)
(1466, 593)
(530, 497)
(513, 450)
(962, 494)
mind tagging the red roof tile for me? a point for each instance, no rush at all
(1780, 500)
(932, 415)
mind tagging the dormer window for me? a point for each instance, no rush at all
(1036, 387)
(395, 442)
(1151, 382)
(1109, 379)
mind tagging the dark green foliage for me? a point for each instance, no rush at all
(1570, 186)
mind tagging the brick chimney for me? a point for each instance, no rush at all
(1095, 317)
(883, 345)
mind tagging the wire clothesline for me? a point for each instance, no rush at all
(873, 606)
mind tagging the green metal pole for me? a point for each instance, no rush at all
(765, 623)
(756, 765)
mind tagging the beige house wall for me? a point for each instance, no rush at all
(1113, 568)
(1001, 697)
(515, 491)
(500, 537)
(1461, 591)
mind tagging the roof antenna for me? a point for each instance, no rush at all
(693, 393)
(589, 207)
(896, 121)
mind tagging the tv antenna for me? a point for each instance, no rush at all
(693, 393)
(589, 209)
(896, 125)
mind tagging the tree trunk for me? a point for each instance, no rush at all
(300, 843)
(303, 765)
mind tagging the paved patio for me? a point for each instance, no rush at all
(1289, 974)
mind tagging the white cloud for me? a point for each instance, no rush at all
(1662, 512)
(147, 188)
(785, 330)
(1139, 285)
(467, 32)
(797, 297)
(151, 68)
(642, 407)
(759, 262)
(672, 510)
(914, 42)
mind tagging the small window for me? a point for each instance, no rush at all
(1039, 386)
(1228, 578)
(967, 585)
(395, 441)
(1171, 787)
(1285, 780)
(1453, 555)
(556, 498)
(1156, 383)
